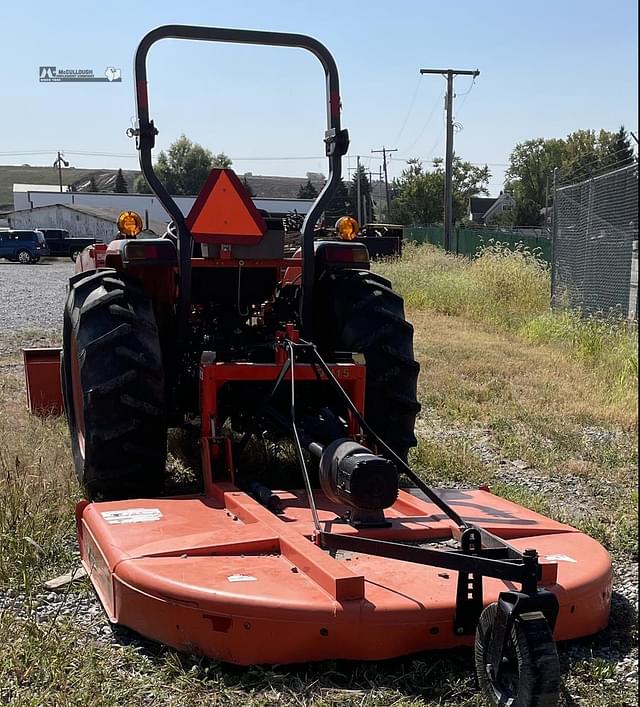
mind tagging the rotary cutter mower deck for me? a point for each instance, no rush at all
(355, 557)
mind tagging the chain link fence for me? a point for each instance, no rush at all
(595, 227)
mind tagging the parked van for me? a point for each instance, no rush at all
(24, 247)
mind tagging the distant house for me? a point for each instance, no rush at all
(484, 210)
(268, 187)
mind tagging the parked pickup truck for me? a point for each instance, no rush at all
(62, 245)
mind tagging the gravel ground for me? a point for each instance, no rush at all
(613, 644)
(32, 296)
(41, 291)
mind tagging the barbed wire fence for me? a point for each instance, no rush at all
(595, 243)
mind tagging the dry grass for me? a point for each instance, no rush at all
(492, 365)
(509, 290)
(501, 286)
(537, 405)
(37, 492)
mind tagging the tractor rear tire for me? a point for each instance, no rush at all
(113, 387)
(358, 311)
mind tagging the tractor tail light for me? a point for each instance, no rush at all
(345, 255)
(153, 253)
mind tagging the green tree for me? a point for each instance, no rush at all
(589, 153)
(579, 156)
(92, 184)
(419, 194)
(307, 191)
(221, 161)
(184, 167)
(120, 186)
(531, 164)
(506, 219)
(584, 154)
(468, 180)
(360, 175)
(340, 203)
(140, 185)
(619, 151)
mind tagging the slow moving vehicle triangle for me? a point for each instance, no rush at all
(224, 212)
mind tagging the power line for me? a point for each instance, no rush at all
(28, 152)
(411, 104)
(88, 153)
(427, 121)
(464, 95)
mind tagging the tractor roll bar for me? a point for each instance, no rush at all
(336, 143)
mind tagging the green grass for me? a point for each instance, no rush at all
(448, 461)
(610, 345)
(510, 289)
(65, 665)
(501, 286)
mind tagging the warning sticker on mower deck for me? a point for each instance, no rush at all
(559, 558)
(132, 515)
(241, 578)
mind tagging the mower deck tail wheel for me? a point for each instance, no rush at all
(113, 387)
(530, 671)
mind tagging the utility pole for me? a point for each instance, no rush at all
(449, 74)
(384, 151)
(58, 163)
(546, 204)
(369, 207)
(358, 193)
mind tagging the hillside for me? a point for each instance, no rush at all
(79, 178)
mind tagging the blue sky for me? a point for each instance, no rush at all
(547, 68)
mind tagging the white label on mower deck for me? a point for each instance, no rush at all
(559, 558)
(132, 515)
(241, 578)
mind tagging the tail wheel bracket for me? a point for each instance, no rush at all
(512, 605)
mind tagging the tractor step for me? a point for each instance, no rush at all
(224, 577)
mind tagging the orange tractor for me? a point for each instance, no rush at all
(347, 555)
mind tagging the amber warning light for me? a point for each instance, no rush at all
(129, 224)
(347, 228)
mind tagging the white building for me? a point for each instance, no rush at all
(80, 221)
(30, 196)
